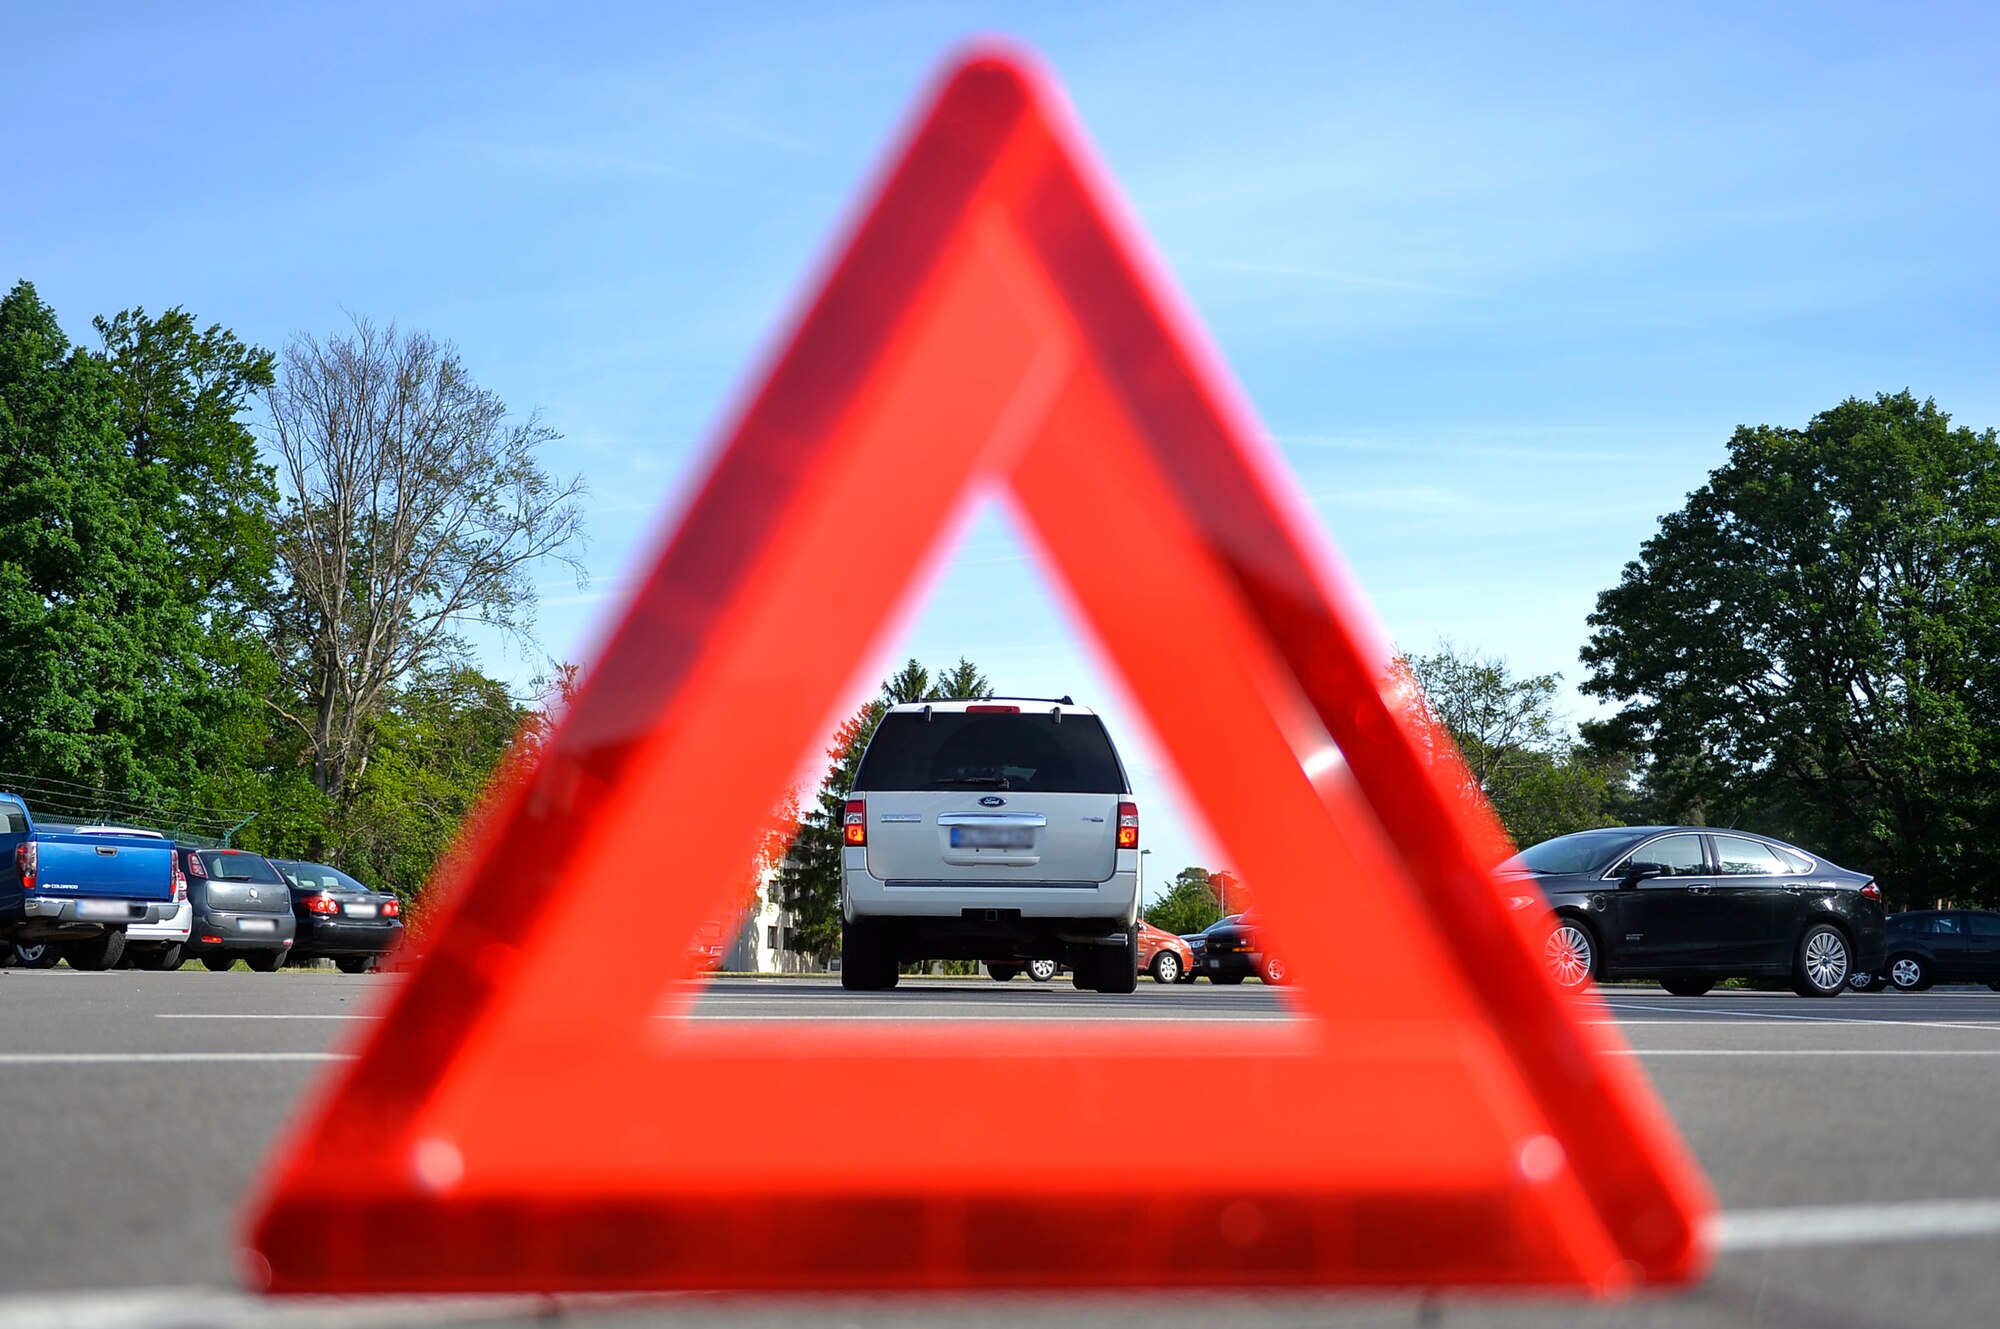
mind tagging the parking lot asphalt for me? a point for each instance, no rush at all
(1854, 1145)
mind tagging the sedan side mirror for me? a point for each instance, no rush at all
(1638, 872)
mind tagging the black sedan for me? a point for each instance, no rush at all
(1690, 905)
(339, 918)
(1928, 946)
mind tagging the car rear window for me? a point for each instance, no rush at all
(319, 877)
(223, 865)
(1029, 751)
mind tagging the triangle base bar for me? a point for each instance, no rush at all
(424, 1243)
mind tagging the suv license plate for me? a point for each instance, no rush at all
(992, 837)
(256, 925)
(360, 910)
(103, 909)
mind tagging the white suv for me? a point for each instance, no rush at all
(1000, 830)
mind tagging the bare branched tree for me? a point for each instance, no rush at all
(414, 508)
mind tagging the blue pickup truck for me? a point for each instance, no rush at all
(77, 888)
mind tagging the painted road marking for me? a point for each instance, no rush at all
(1855, 1224)
(166, 1058)
(163, 1015)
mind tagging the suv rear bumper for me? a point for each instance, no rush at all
(864, 895)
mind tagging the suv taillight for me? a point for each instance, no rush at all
(322, 904)
(1871, 892)
(854, 822)
(1128, 825)
(180, 881)
(392, 908)
(27, 860)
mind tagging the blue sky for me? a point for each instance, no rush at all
(1500, 284)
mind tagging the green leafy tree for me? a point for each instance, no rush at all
(1811, 646)
(808, 883)
(1189, 904)
(123, 626)
(1516, 747)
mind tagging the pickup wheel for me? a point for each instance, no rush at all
(41, 955)
(97, 953)
(157, 957)
(265, 962)
(218, 964)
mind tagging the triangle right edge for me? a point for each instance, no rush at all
(1629, 1160)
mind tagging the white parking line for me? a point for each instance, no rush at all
(1811, 1052)
(1855, 1224)
(1725, 1011)
(170, 1058)
(165, 1015)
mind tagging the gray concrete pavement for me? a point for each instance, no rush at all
(1853, 1143)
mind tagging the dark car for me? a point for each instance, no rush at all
(242, 909)
(1233, 950)
(1690, 905)
(1929, 946)
(338, 918)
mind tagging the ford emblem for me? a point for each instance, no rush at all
(993, 801)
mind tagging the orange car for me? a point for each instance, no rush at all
(1162, 954)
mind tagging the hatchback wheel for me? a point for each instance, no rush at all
(1166, 967)
(159, 957)
(1910, 973)
(1042, 970)
(1570, 954)
(1823, 962)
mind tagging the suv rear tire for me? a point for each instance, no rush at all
(865, 964)
(1116, 968)
(97, 953)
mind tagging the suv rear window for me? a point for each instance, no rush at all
(1030, 752)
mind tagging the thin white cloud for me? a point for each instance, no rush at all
(744, 129)
(1305, 273)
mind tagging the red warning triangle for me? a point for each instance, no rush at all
(525, 1118)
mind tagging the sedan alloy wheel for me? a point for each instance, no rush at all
(1569, 955)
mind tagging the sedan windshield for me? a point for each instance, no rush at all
(1586, 851)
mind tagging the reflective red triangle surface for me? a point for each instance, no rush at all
(527, 1117)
